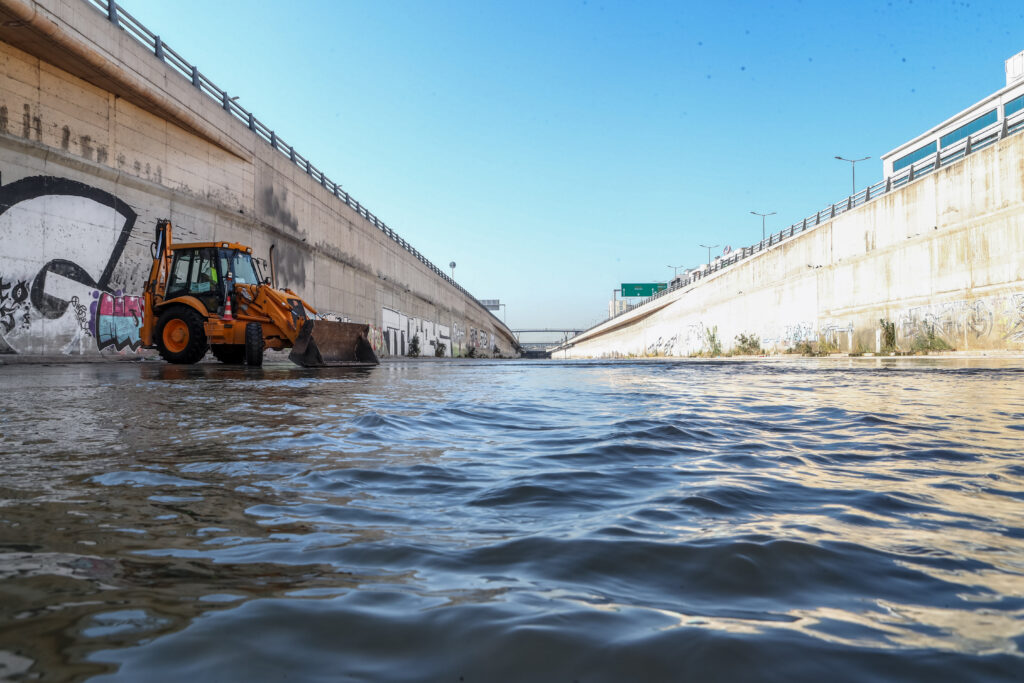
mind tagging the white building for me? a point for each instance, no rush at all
(989, 112)
(617, 306)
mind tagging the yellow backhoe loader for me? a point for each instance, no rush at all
(213, 295)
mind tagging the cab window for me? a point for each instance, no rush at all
(206, 279)
(177, 285)
(194, 272)
(239, 264)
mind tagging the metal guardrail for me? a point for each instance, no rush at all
(983, 138)
(120, 18)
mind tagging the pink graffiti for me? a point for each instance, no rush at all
(118, 319)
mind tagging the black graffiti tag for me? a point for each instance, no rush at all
(12, 295)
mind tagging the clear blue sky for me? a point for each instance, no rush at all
(557, 149)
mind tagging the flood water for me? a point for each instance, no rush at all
(804, 520)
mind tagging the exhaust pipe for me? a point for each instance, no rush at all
(273, 267)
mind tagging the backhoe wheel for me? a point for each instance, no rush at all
(229, 354)
(254, 345)
(180, 337)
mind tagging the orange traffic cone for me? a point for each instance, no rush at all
(227, 307)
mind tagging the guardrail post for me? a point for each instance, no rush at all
(967, 147)
(867, 194)
(195, 76)
(938, 161)
(158, 48)
(849, 202)
(911, 177)
(888, 184)
(833, 211)
(817, 218)
(291, 154)
(1003, 132)
(309, 169)
(227, 100)
(252, 122)
(273, 139)
(112, 12)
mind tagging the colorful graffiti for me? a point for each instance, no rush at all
(62, 241)
(376, 337)
(118, 320)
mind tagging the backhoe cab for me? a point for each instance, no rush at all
(214, 295)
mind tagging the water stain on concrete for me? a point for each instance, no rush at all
(275, 207)
(291, 267)
(31, 124)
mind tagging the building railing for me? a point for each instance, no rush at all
(983, 138)
(154, 43)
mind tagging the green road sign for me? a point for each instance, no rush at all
(642, 288)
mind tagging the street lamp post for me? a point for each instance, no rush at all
(452, 266)
(763, 216)
(675, 271)
(853, 172)
(504, 312)
(615, 308)
(709, 248)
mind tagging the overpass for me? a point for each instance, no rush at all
(542, 349)
(105, 128)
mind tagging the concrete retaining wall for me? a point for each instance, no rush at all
(99, 139)
(942, 259)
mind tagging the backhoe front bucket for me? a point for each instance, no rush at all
(323, 342)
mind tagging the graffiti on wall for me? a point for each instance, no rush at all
(1015, 328)
(62, 240)
(117, 321)
(957, 322)
(375, 335)
(663, 346)
(13, 304)
(791, 334)
(399, 329)
(482, 342)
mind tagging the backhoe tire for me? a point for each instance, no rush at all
(254, 345)
(229, 354)
(180, 336)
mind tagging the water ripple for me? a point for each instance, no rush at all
(509, 521)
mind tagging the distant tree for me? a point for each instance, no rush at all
(414, 346)
(439, 349)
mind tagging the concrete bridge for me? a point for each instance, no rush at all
(105, 128)
(543, 340)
